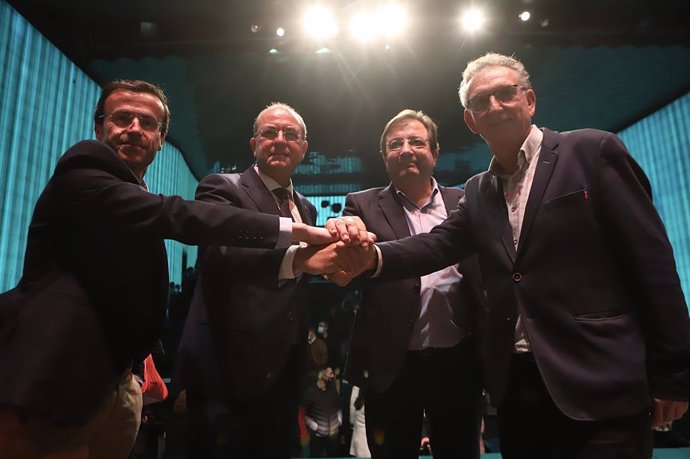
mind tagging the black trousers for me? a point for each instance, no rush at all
(531, 425)
(444, 384)
(266, 427)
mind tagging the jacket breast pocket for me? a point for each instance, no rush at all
(567, 199)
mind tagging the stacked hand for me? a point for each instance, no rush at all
(340, 252)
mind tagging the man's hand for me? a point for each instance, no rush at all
(665, 411)
(312, 235)
(358, 259)
(346, 260)
(351, 230)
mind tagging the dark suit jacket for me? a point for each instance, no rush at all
(593, 278)
(242, 321)
(389, 308)
(95, 280)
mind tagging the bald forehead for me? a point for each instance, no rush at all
(278, 114)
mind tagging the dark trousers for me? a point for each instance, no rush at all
(266, 427)
(444, 384)
(531, 425)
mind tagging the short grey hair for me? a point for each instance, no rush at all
(284, 106)
(491, 60)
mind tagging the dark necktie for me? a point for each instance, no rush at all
(283, 196)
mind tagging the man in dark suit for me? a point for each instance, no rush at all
(586, 328)
(243, 347)
(412, 349)
(92, 295)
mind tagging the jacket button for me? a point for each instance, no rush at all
(416, 288)
(517, 277)
(410, 323)
(291, 316)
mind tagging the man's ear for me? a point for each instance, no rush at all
(469, 121)
(98, 130)
(252, 145)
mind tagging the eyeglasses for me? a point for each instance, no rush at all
(481, 102)
(416, 143)
(289, 134)
(124, 119)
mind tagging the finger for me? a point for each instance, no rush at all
(342, 229)
(331, 226)
(658, 415)
(340, 278)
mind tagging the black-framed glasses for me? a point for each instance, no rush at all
(289, 134)
(123, 119)
(416, 143)
(481, 102)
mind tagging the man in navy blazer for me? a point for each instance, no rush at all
(585, 337)
(242, 350)
(413, 351)
(91, 299)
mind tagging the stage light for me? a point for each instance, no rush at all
(473, 20)
(273, 51)
(280, 32)
(392, 20)
(255, 28)
(323, 50)
(319, 22)
(363, 26)
(524, 16)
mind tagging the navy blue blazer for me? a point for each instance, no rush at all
(594, 278)
(95, 281)
(242, 321)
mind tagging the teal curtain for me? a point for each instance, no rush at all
(46, 105)
(661, 144)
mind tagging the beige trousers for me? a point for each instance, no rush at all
(110, 434)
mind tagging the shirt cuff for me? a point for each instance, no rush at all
(379, 266)
(286, 271)
(285, 234)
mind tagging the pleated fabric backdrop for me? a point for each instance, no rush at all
(661, 144)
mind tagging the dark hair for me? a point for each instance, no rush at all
(134, 86)
(420, 116)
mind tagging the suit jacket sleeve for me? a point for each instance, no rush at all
(426, 253)
(93, 193)
(235, 262)
(638, 235)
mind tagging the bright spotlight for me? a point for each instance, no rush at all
(392, 19)
(280, 32)
(363, 26)
(473, 20)
(524, 16)
(319, 22)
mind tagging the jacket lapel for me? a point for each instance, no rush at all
(393, 212)
(542, 176)
(498, 213)
(258, 193)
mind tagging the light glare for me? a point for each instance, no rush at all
(524, 16)
(473, 20)
(319, 22)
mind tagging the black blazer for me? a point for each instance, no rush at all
(242, 320)
(389, 308)
(95, 280)
(594, 278)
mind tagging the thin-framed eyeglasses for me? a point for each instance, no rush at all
(289, 134)
(416, 143)
(481, 102)
(123, 119)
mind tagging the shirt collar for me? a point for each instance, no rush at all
(434, 192)
(272, 184)
(529, 149)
